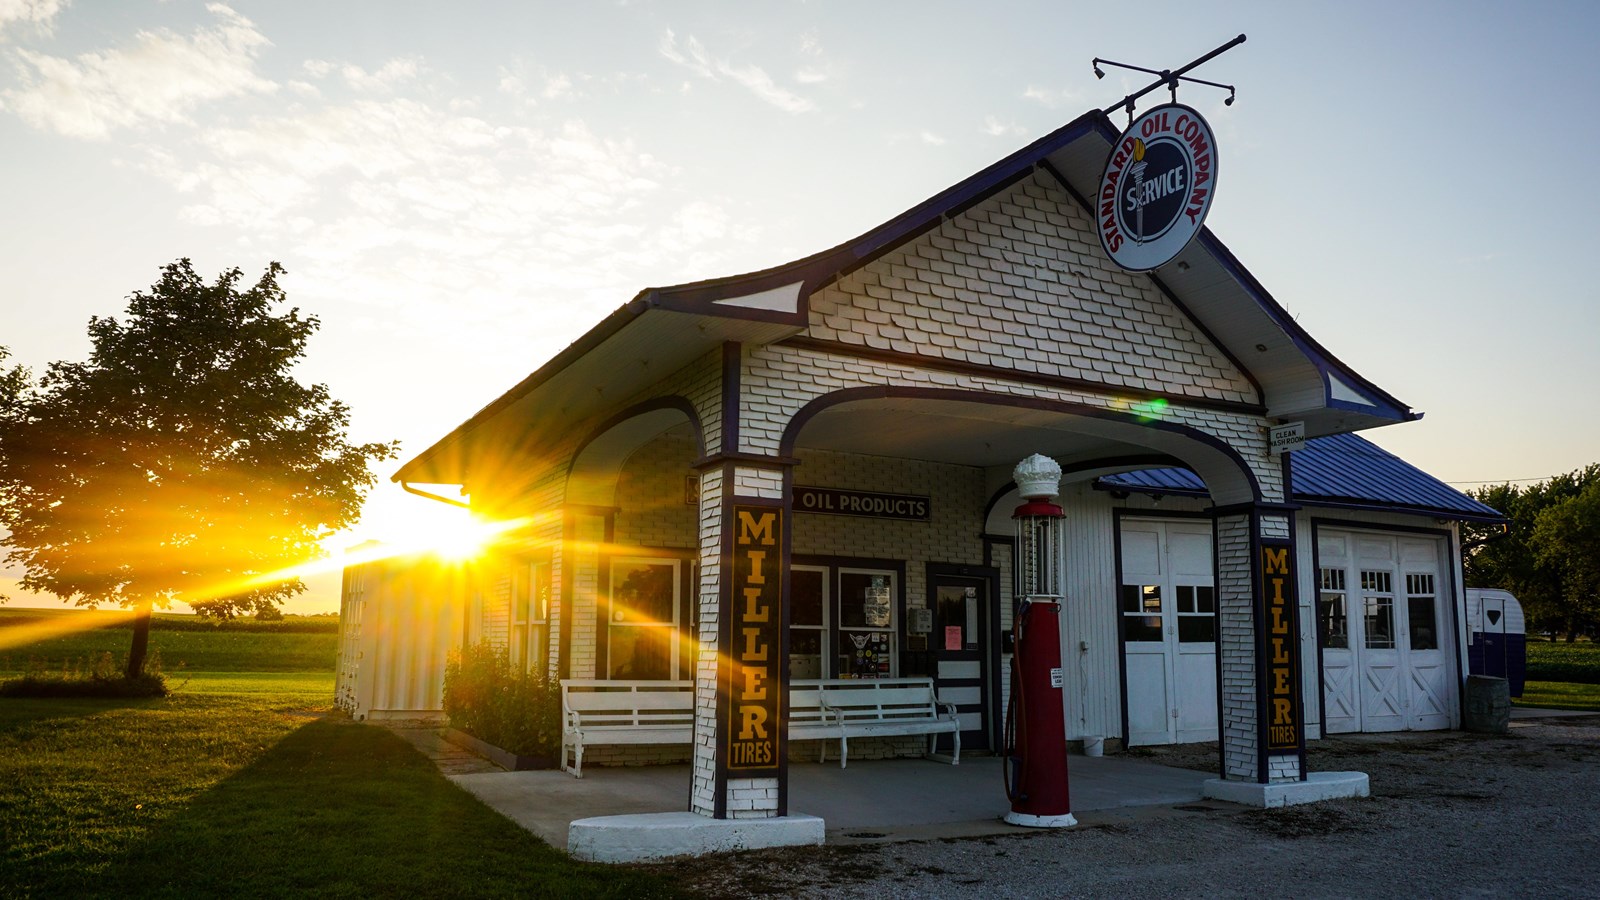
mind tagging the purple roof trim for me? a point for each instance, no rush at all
(1336, 470)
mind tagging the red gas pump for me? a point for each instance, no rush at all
(1035, 760)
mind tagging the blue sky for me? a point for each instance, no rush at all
(459, 190)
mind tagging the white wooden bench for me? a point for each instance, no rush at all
(844, 708)
(595, 712)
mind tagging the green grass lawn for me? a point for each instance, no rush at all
(243, 784)
(1559, 695)
(245, 789)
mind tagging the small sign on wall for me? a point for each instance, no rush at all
(1287, 437)
(836, 502)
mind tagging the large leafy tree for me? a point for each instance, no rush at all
(1566, 543)
(183, 460)
(1546, 554)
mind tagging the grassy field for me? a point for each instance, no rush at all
(243, 784)
(1562, 676)
(1578, 662)
(31, 638)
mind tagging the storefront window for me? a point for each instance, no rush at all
(1377, 599)
(1141, 612)
(1420, 607)
(808, 604)
(1335, 617)
(643, 633)
(530, 615)
(866, 624)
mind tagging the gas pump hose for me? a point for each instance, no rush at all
(1011, 764)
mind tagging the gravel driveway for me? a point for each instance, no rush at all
(1452, 815)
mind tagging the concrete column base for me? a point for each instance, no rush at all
(1317, 786)
(635, 838)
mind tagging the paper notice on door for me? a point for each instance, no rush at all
(952, 637)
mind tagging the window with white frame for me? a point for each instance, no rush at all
(808, 622)
(867, 645)
(530, 615)
(1422, 611)
(1141, 612)
(1197, 614)
(1377, 600)
(644, 636)
(1332, 608)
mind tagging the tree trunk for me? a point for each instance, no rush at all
(141, 640)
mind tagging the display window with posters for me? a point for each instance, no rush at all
(867, 640)
(843, 621)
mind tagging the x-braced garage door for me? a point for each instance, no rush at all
(1383, 606)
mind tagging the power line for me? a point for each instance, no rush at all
(1504, 480)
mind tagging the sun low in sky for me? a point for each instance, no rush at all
(460, 190)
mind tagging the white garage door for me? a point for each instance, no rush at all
(1169, 616)
(1386, 643)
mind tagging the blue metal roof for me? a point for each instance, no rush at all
(1342, 470)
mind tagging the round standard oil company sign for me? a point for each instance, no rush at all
(1157, 187)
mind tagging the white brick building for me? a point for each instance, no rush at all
(897, 379)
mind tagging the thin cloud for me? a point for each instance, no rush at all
(411, 205)
(160, 77)
(513, 81)
(928, 137)
(40, 14)
(819, 68)
(385, 78)
(996, 128)
(516, 81)
(693, 56)
(556, 86)
(1053, 98)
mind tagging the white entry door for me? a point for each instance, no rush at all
(1169, 616)
(1384, 648)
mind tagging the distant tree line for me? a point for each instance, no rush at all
(1548, 554)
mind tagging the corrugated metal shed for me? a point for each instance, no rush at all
(1336, 470)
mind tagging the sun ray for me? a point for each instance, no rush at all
(14, 636)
